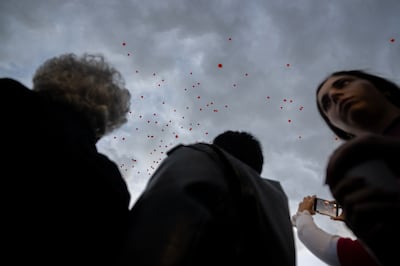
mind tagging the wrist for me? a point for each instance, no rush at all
(306, 212)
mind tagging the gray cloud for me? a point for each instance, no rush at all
(276, 49)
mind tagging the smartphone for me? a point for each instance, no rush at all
(326, 207)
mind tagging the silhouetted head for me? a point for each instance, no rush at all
(243, 146)
(89, 85)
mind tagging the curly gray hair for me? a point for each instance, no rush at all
(89, 85)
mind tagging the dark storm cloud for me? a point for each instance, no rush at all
(270, 51)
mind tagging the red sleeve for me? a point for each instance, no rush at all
(352, 253)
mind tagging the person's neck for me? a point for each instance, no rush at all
(390, 119)
(380, 124)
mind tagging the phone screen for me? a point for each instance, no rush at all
(326, 207)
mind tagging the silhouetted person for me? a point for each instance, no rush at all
(204, 206)
(65, 203)
(364, 110)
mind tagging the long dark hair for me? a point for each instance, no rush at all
(386, 87)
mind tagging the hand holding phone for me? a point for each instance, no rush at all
(326, 207)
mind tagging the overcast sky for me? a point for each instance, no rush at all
(198, 68)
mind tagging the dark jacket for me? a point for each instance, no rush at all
(204, 207)
(65, 203)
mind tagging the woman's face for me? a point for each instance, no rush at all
(350, 102)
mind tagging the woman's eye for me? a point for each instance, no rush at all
(345, 82)
(325, 103)
(340, 83)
